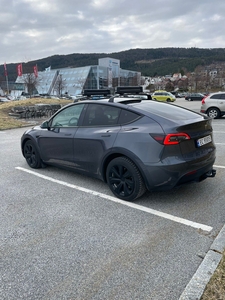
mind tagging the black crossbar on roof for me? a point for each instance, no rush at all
(129, 90)
(96, 92)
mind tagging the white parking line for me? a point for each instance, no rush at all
(130, 204)
(222, 167)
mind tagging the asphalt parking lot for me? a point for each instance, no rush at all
(64, 236)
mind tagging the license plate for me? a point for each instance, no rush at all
(205, 140)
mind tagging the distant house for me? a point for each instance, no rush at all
(177, 76)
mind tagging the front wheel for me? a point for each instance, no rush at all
(31, 155)
(213, 113)
(124, 179)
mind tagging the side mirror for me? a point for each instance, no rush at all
(45, 124)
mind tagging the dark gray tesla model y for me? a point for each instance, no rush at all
(131, 144)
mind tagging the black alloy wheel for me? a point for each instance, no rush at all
(124, 179)
(31, 155)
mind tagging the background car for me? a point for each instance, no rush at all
(176, 94)
(194, 96)
(163, 96)
(131, 144)
(214, 105)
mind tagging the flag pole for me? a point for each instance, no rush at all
(7, 83)
(6, 76)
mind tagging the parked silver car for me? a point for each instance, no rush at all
(214, 105)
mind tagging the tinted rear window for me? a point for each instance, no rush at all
(127, 117)
(166, 110)
(218, 96)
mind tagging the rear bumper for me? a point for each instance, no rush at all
(197, 176)
(166, 178)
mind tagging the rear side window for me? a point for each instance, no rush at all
(127, 117)
(218, 96)
(100, 114)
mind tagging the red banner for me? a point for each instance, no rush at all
(5, 68)
(36, 71)
(19, 70)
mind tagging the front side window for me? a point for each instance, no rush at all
(68, 117)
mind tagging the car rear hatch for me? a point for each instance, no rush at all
(200, 145)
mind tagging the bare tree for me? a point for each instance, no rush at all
(31, 82)
(169, 86)
(82, 83)
(60, 85)
(182, 84)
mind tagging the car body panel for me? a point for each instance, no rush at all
(90, 145)
(57, 145)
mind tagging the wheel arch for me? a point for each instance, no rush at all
(121, 153)
(29, 138)
(23, 142)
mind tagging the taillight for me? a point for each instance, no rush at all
(171, 139)
(203, 100)
(175, 138)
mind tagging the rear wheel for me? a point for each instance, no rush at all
(213, 113)
(124, 179)
(31, 155)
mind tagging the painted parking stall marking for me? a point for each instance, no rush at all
(129, 204)
(222, 167)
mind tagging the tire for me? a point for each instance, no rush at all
(124, 179)
(189, 99)
(31, 155)
(168, 100)
(213, 113)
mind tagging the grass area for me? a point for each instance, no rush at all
(9, 122)
(215, 289)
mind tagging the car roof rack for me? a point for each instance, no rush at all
(121, 90)
(96, 92)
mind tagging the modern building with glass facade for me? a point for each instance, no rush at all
(72, 81)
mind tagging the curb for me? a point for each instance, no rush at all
(195, 288)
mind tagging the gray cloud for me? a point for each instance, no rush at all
(34, 29)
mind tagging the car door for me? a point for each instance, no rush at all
(94, 139)
(221, 102)
(56, 143)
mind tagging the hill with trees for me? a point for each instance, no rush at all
(150, 62)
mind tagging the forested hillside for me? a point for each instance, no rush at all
(150, 62)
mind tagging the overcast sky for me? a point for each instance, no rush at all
(35, 29)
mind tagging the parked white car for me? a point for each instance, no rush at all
(214, 105)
